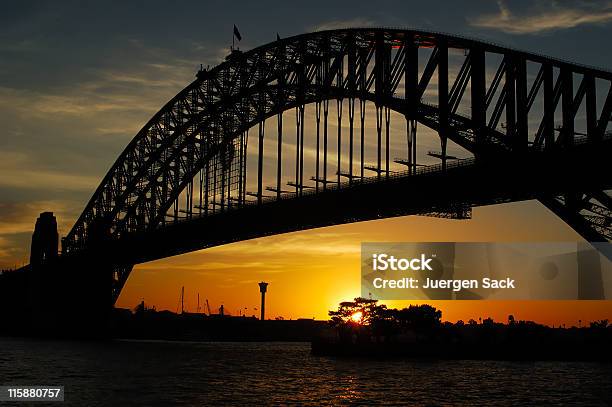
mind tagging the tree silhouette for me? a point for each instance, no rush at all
(367, 309)
(420, 318)
(600, 324)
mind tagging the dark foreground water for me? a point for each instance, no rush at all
(179, 373)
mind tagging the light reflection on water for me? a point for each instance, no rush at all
(185, 373)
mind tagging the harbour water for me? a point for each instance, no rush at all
(152, 373)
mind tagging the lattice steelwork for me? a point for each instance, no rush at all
(480, 96)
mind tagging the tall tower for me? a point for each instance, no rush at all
(44, 239)
(263, 287)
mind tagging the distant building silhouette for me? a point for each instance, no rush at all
(263, 287)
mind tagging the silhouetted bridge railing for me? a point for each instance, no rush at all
(426, 169)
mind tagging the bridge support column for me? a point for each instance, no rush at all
(88, 287)
(362, 113)
(567, 104)
(325, 116)
(43, 263)
(478, 89)
(351, 108)
(591, 108)
(443, 99)
(549, 107)
(262, 128)
(339, 105)
(318, 154)
(413, 96)
(44, 239)
(387, 139)
(299, 150)
(379, 111)
(411, 128)
(279, 154)
(522, 127)
(71, 296)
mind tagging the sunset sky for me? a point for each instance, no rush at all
(78, 80)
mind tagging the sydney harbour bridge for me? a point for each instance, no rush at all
(328, 128)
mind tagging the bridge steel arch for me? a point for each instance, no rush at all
(204, 130)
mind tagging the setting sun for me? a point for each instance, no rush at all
(357, 316)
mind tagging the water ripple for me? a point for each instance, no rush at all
(188, 374)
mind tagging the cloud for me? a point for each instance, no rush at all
(19, 217)
(314, 243)
(17, 170)
(59, 140)
(545, 16)
(336, 24)
(109, 91)
(269, 255)
(8, 253)
(17, 221)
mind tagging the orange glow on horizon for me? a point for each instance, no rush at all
(311, 272)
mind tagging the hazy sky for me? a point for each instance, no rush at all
(78, 79)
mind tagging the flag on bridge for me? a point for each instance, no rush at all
(237, 33)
